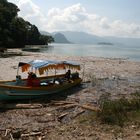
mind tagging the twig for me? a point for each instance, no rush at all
(62, 116)
(40, 138)
(79, 113)
(11, 137)
(6, 131)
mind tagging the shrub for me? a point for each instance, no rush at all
(118, 111)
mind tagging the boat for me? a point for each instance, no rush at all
(31, 49)
(39, 81)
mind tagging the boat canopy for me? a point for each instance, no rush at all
(45, 65)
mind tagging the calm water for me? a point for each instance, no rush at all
(109, 51)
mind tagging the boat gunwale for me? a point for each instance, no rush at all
(43, 77)
(45, 87)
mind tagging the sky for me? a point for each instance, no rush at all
(120, 18)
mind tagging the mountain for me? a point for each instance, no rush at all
(85, 38)
(124, 40)
(45, 33)
(60, 38)
(81, 37)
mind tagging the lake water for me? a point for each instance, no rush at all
(109, 51)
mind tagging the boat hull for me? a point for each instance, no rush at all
(14, 92)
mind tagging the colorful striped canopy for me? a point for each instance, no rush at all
(45, 65)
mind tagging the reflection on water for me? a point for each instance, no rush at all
(110, 51)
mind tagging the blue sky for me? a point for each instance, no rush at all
(99, 17)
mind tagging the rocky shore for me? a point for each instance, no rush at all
(102, 77)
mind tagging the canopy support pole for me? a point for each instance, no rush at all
(17, 70)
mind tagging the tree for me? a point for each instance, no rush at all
(18, 33)
(46, 39)
(8, 11)
(33, 35)
(15, 31)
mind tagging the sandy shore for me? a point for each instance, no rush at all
(100, 67)
(101, 76)
(110, 75)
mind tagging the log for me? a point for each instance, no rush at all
(66, 106)
(62, 102)
(92, 108)
(88, 107)
(31, 134)
(20, 106)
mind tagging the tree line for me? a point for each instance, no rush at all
(15, 32)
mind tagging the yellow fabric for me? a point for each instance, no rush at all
(25, 67)
(51, 66)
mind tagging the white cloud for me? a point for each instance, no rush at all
(31, 12)
(76, 18)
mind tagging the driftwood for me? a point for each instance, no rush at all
(65, 104)
(62, 116)
(7, 131)
(18, 135)
(79, 113)
(62, 102)
(31, 134)
(20, 106)
(11, 137)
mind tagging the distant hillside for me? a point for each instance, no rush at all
(45, 33)
(124, 41)
(58, 37)
(81, 37)
(85, 38)
(104, 43)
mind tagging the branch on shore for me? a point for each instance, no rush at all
(31, 134)
(66, 104)
(20, 106)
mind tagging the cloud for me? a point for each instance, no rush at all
(76, 18)
(31, 12)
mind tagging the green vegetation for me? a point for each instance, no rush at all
(116, 112)
(119, 111)
(15, 32)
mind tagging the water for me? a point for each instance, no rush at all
(109, 51)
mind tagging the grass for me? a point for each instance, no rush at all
(117, 112)
(87, 118)
(113, 112)
(120, 111)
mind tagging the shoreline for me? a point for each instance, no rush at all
(103, 77)
(110, 74)
(98, 65)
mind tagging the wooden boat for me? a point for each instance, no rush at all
(42, 85)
